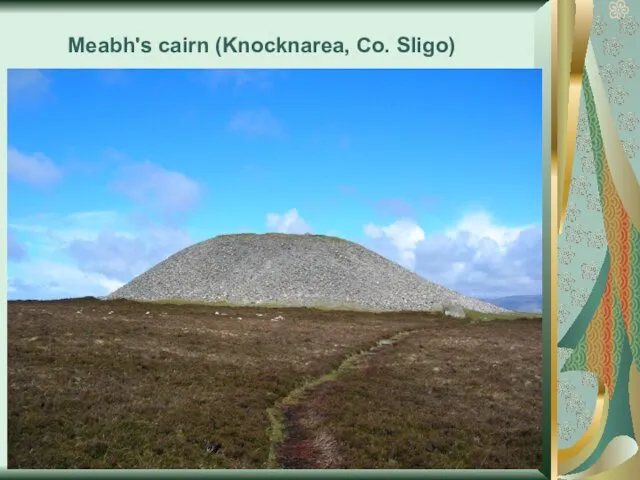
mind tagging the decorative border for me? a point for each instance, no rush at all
(260, 474)
(604, 338)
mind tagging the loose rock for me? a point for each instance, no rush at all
(291, 271)
(454, 310)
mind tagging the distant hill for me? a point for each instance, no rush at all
(519, 303)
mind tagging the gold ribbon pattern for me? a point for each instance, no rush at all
(571, 55)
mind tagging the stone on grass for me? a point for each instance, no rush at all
(454, 310)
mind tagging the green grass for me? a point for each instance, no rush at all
(286, 236)
(343, 307)
(474, 315)
(470, 314)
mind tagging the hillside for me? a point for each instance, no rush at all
(290, 270)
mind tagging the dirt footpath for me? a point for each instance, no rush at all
(463, 396)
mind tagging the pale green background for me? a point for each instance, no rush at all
(493, 37)
(484, 38)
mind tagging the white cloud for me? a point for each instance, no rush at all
(480, 227)
(152, 185)
(42, 279)
(289, 222)
(403, 235)
(108, 248)
(476, 256)
(49, 233)
(122, 257)
(35, 169)
(256, 123)
(27, 85)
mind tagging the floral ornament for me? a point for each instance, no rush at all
(579, 297)
(617, 95)
(583, 144)
(567, 392)
(628, 67)
(565, 431)
(589, 380)
(618, 9)
(598, 25)
(628, 121)
(589, 271)
(608, 72)
(630, 148)
(593, 202)
(596, 240)
(563, 314)
(583, 421)
(572, 214)
(564, 388)
(612, 46)
(566, 256)
(566, 281)
(583, 124)
(575, 402)
(574, 234)
(580, 185)
(628, 25)
(588, 164)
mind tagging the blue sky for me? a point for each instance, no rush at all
(111, 171)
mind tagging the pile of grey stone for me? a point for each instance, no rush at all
(293, 270)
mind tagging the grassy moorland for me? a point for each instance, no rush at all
(462, 395)
(115, 384)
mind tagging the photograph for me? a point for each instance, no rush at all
(275, 269)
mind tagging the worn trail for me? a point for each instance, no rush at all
(292, 444)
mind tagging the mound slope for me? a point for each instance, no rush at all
(290, 270)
